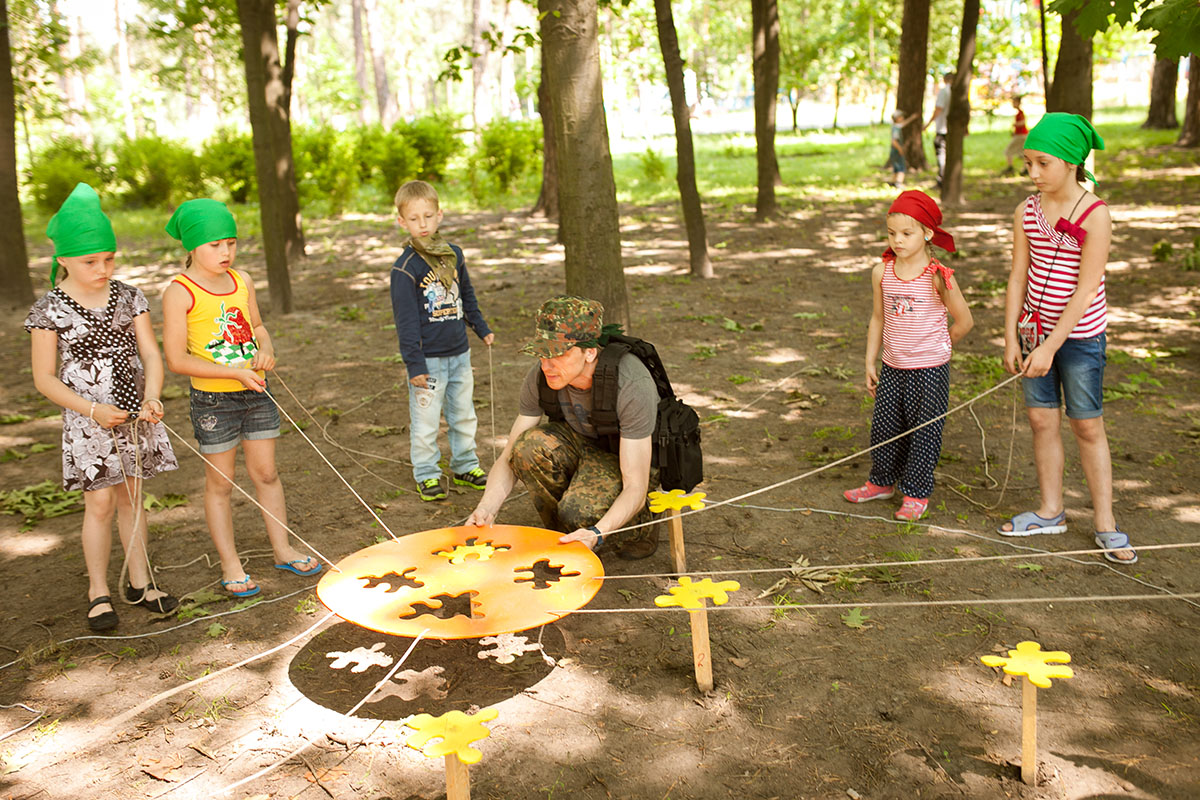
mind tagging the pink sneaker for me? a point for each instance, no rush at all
(867, 492)
(912, 509)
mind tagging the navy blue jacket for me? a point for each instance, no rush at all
(431, 322)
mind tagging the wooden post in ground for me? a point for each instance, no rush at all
(678, 556)
(693, 596)
(454, 731)
(1028, 731)
(701, 647)
(672, 502)
(458, 780)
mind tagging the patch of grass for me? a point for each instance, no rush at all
(169, 500)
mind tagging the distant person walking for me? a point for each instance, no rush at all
(896, 154)
(1017, 143)
(941, 113)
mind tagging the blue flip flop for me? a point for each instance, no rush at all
(291, 566)
(245, 592)
(1115, 540)
(1028, 523)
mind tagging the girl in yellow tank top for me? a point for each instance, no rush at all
(212, 332)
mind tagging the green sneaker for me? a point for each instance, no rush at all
(476, 479)
(431, 489)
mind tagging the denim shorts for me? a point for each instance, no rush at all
(1077, 375)
(222, 419)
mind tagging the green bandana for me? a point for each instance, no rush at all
(79, 228)
(1066, 136)
(198, 222)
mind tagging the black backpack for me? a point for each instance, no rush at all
(676, 437)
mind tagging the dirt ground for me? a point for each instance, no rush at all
(884, 702)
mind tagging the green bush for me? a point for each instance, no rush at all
(326, 168)
(387, 157)
(435, 138)
(508, 150)
(654, 168)
(228, 162)
(56, 169)
(157, 172)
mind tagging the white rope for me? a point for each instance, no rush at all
(492, 401)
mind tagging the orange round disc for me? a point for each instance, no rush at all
(463, 582)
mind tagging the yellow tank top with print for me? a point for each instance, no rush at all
(218, 330)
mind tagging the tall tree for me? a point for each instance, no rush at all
(910, 85)
(360, 57)
(1071, 88)
(1189, 135)
(480, 105)
(1163, 83)
(376, 37)
(685, 157)
(587, 193)
(270, 123)
(124, 74)
(959, 113)
(764, 20)
(15, 285)
(547, 202)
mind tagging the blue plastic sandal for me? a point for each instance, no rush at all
(245, 592)
(1028, 523)
(291, 566)
(1115, 541)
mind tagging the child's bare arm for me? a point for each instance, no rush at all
(264, 359)
(956, 304)
(875, 329)
(147, 345)
(45, 377)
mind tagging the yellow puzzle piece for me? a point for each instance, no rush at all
(456, 729)
(1029, 659)
(459, 554)
(676, 499)
(690, 595)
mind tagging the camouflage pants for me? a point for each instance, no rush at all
(572, 481)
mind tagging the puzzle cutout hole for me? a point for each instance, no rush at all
(543, 574)
(393, 581)
(451, 606)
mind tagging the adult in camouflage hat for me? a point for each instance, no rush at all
(578, 485)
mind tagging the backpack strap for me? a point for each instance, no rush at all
(604, 390)
(548, 399)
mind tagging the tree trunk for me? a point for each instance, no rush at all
(685, 169)
(1189, 135)
(479, 64)
(910, 82)
(959, 113)
(587, 193)
(360, 60)
(269, 125)
(1071, 90)
(124, 79)
(547, 202)
(765, 25)
(1163, 84)
(384, 101)
(293, 223)
(15, 285)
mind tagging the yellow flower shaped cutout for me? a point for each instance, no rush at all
(676, 499)
(460, 552)
(1029, 659)
(456, 729)
(691, 595)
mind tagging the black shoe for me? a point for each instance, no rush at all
(161, 605)
(102, 622)
(431, 489)
(476, 479)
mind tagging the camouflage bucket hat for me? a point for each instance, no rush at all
(564, 322)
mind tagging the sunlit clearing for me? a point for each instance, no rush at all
(652, 269)
(28, 544)
(780, 355)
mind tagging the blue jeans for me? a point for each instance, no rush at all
(1076, 376)
(453, 384)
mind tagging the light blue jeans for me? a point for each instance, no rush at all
(453, 384)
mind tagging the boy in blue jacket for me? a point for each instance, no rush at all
(433, 303)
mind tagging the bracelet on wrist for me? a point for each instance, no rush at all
(597, 531)
(92, 412)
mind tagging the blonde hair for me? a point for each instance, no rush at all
(925, 228)
(415, 190)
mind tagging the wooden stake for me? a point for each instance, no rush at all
(701, 651)
(458, 780)
(1028, 731)
(677, 555)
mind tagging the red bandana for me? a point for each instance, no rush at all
(924, 210)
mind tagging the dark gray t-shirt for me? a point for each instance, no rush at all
(637, 401)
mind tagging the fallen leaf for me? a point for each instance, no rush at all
(740, 663)
(161, 769)
(1007, 679)
(332, 772)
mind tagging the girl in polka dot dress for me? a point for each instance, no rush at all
(95, 355)
(913, 292)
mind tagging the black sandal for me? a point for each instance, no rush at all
(161, 605)
(102, 622)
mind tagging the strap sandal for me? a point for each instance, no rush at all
(102, 622)
(245, 579)
(1114, 542)
(292, 567)
(1028, 523)
(159, 605)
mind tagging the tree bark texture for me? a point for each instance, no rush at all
(547, 202)
(1189, 135)
(124, 75)
(765, 26)
(1071, 90)
(1163, 84)
(480, 97)
(270, 126)
(685, 156)
(384, 102)
(587, 193)
(283, 143)
(910, 82)
(360, 59)
(15, 285)
(959, 113)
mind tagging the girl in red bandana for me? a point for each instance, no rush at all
(913, 292)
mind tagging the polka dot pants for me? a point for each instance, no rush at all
(904, 399)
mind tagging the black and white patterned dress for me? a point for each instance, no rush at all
(98, 360)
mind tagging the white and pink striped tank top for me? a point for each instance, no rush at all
(1054, 273)
(914, 319)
